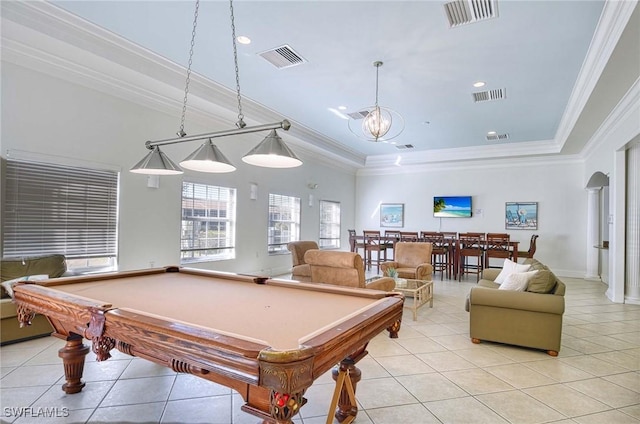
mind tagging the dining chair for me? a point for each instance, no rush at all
(532, 248)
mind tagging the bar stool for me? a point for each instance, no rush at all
(497, 246)
(354, 245)
(451, 242)
(373, 243)
(470, 245)
(408, 235)
(439, 252)
(391, 237)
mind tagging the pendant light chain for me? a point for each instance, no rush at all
(181, 132)
(240, 123)
(377, 65)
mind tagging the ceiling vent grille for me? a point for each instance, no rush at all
(361, 114)
(404, 146)
(283, 57)
(497, 137)
(489, 95)
(462, 12)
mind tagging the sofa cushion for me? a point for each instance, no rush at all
(510, 267)
(544, 281)
(535, 264)
(52, 265)
(8, 285)
(517, 281)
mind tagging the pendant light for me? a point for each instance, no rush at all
(379, 123)
(272, 152)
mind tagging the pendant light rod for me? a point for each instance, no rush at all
(284, 124)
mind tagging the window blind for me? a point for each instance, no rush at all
(51, 208)
(329, 224)
(284, 222)
(208, 222)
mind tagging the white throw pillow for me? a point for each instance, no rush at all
(509, 268)
(517, 281)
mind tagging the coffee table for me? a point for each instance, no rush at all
(421, 291)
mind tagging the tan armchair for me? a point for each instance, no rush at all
(300, 270)
(411, 260)
(343, 269)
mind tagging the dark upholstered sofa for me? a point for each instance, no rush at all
(53, 266)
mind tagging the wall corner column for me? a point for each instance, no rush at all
(593, 231)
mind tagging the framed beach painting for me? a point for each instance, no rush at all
(521, 216)
(392, 215)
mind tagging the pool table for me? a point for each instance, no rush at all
(268, 339)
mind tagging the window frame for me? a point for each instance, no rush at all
(77, 211)
(335, 233)
(200, 219)
(292, 220)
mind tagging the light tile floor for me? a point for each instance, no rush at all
(431, 374)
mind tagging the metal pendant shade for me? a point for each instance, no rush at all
(156, 163)
(272, 153)
(208, 158)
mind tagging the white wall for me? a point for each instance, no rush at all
(557, 187)
(45, 115)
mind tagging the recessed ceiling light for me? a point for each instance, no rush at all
(243, 39)
(479, 84)
(492, 133)
(342, 107)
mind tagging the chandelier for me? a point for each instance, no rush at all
(379, 123)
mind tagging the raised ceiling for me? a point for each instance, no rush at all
(530, 56)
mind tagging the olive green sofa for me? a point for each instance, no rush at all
(530, 318)
(15, 268)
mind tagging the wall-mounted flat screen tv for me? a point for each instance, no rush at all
(452, 206)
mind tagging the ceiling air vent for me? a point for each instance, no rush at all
(497, 137)
(462, 12)
(489, 95)
(404, 146)
(283, 57)
(358, 115)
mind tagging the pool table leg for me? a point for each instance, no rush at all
(394, 329)
(73, 355)
(346, 408)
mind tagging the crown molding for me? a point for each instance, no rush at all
(466, 165)
(613, 21)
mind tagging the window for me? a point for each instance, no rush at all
(329, 225)
(284, 222)
(208, 223)
(51, 208)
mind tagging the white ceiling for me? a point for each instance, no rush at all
(533, 49)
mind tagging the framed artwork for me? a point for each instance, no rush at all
(521, 216)
(392, 215)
